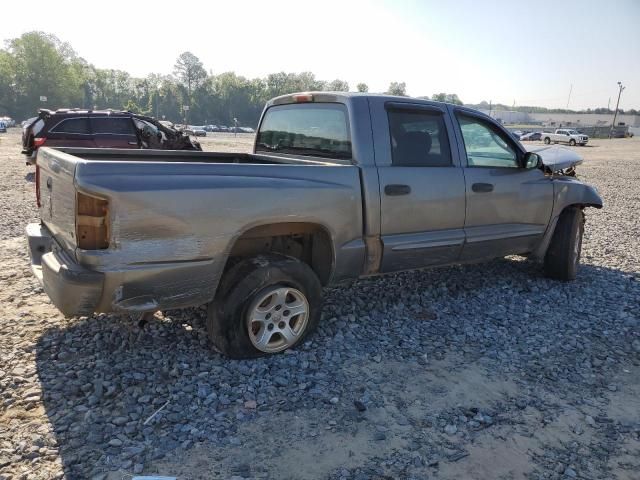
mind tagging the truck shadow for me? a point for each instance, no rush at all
(103, 377)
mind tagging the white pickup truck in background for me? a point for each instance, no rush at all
(563, 135)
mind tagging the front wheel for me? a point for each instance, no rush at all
(264, 305)
(572, 142)
(563, 255)
(547, 141)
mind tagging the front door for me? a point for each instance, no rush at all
(114, 132)
(508, 207)
(421, 187)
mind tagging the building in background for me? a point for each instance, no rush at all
(593, 124)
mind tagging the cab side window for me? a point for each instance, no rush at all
(73, 125)
(418, 139)
(485, 146)
(113, 126)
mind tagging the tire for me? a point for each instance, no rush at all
(251, 315)
(547, 140)
(572, 142)
(563, 255)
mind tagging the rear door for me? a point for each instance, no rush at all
(421, 185)
(72, 131)
(508, 207)
(114, 132)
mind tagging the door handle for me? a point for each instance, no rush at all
(132, 143)
(394, 190)
(482, 187)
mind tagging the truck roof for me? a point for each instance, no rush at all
(84, 111)
(347, 97)
(322, 96)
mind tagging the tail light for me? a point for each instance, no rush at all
(92, 226)
(38, 186)
(38, 142)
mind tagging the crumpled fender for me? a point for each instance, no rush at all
(567, 192)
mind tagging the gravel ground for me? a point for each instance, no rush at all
(477, 372)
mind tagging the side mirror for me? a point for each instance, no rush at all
(532, 160)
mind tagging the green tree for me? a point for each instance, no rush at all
(41, 65)
(7, 83)
(112, 88)
(447, 98)
(190, 72)
(362, 87)
(338, 86)
(396, 88)
(132, 106)
(282, 83)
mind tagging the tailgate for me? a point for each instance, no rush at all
(57, 195)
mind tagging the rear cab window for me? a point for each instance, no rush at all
(309, 129)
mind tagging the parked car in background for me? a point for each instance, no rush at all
(8, 122)
(3, 127)
(339, 186)
(99, 129)
(242, 130)
(515, 135)
(564, 135)
(198, 131)
(531, 136)
(621, 133)
(223, 128)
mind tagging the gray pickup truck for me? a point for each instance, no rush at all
(339, 186)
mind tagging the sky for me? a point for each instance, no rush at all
(527, 53)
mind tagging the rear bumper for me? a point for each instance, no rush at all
(30, 156)
(73, 289)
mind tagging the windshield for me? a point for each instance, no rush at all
(306, 129)
(572, 132)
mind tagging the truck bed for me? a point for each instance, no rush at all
(173, 217)
(187, 156)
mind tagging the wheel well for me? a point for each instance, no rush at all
(583, 205)
(308, 242)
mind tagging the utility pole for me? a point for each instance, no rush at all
(570, 90)
(615, 114)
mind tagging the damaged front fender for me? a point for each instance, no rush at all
(568, 192)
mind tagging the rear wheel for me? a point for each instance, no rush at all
(264, 305)
(563, 255)
(547, 140)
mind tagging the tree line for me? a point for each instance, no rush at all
(38, 64)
